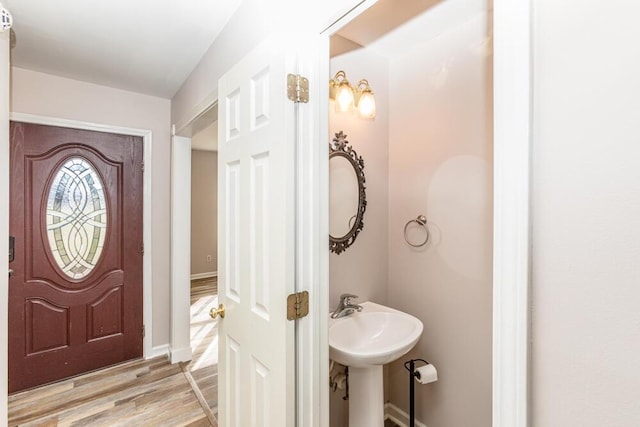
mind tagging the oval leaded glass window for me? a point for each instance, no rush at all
(76, 217)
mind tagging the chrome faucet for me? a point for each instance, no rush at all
(345, 307)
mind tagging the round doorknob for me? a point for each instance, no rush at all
(215, 312)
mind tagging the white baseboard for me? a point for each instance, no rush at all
(160, 350)
(398, 416)
(204, 275)
(180, 355)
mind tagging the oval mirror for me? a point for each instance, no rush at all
(347, 198)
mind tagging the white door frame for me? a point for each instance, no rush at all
(180, 337)
(4, 221)
(512, 75)
(147, 263)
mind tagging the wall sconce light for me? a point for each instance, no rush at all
(347, 97)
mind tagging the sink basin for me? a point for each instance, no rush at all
(375, 336)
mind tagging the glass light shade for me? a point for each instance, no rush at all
(367, 105)
(344, 98)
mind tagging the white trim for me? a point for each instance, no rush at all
(4, 219)
(312, 260)
(204, 275)
(313, 213)
(147, 264)
(335, 25)
(180, 342)
(181, 128)
(157, 351)
(511, 264)
(398, 416)
(182, 354)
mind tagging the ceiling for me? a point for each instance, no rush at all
(145, 46)
(391, 27)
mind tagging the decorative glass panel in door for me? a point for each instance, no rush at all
(76, 218)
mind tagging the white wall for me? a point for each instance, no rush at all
(204, 211)
(586, 214)
(362, 268)
(52, 96)
(440, 165)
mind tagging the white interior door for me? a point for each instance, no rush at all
(256, 241)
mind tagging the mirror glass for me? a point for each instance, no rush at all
(343, 196)
(347, 198)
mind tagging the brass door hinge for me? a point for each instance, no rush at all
(297, 88)
(297, 305)
(142, 331)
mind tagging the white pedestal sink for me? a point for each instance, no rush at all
(364, 341)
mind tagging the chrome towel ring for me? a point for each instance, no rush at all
(421, 220)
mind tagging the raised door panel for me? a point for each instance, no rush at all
(105, 315)
(47, 326)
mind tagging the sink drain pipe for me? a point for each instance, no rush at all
(413, 377)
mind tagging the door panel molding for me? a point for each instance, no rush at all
(147, 263)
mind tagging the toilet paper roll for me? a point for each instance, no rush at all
(426, 374)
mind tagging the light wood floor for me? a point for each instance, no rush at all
(138, 393)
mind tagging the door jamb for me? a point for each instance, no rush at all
(147, 262)
(179, 341)
(513, 118)
(179, 348)
(4, 218)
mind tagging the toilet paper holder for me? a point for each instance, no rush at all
(410, 366)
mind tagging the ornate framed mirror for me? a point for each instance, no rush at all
(347, 197)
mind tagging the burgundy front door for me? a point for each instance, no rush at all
(75, 296)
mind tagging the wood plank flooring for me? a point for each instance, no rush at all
(152, 392)
(137, 393)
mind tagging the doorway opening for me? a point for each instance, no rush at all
(428, 152)
(197, 291)
(145, 196)
(204, 259)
